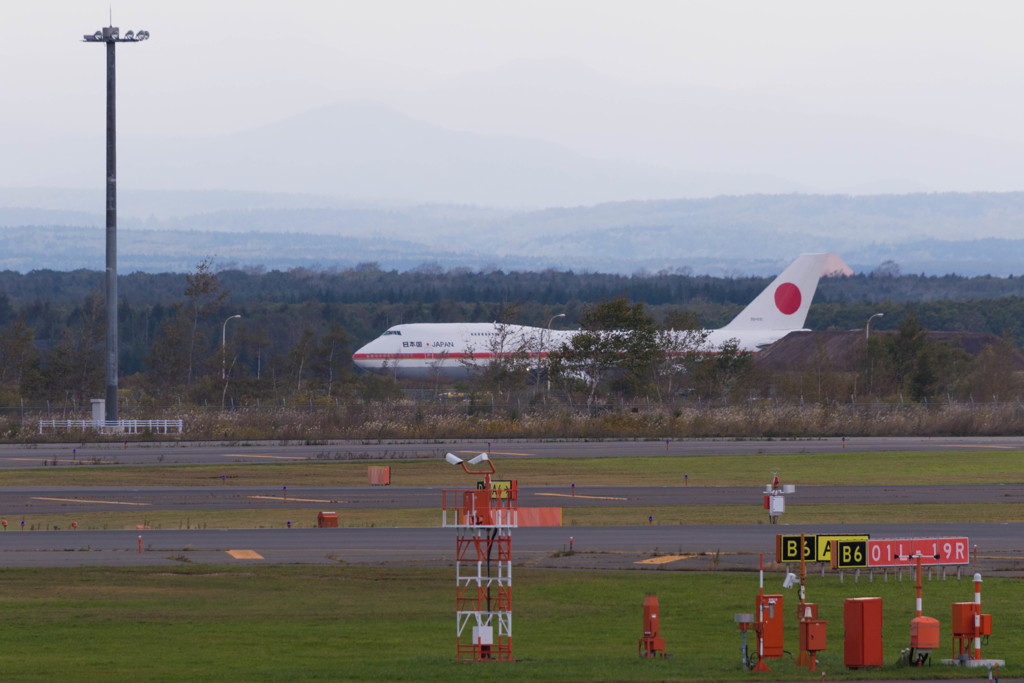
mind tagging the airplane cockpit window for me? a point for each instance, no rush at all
(392, 332)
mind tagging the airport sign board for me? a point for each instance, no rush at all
(787, 548)
(903, 552)
(850, 554)
(818, 547)
(899, 552)
(823, 548)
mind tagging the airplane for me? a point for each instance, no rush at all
(455, 350)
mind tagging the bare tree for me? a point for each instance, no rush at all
(507, 348)
(203, 295)
(681, 342)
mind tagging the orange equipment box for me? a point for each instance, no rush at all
(924, 633)
(327, 520)
(814, 630)
(963, 620)
(801, 616)
(476, 506)
(862, 623)
(379, 476)
(651, 642)
(772, 632)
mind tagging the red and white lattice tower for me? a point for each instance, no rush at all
(483, 520)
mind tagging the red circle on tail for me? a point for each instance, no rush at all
(787, 298)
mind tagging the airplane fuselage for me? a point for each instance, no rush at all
(457, 350)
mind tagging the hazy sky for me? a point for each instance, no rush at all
(221, 66)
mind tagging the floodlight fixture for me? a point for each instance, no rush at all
(112, 34)
(482, 458)
(790, 580)
(867, 327)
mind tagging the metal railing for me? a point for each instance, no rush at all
(122, 426)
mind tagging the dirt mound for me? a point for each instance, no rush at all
(842, 350)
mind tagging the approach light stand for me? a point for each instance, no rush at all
(110, 35)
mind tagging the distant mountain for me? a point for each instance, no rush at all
(555, 133)
(362, 151)
(968, 234)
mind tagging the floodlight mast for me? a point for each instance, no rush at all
(111, 35)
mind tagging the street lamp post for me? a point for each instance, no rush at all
(560, 315)
(867, 328)
(223, 343)
(111, 35)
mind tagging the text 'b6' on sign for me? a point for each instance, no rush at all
(787, 548)
(849, 554)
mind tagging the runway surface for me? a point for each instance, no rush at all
(17, 501)
(595, 547)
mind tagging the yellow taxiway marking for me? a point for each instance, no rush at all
(77, 500)
(496, 453)
(294, 500)
(665, 559)
(569, 495)
(273, 457)
(245, 554)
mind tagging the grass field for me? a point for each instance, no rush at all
(343, 623)
(941, 467)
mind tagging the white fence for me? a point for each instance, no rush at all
(121, 426)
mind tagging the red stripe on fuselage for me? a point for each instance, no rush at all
(440, 356)
(460, 356)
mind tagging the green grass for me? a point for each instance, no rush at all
(261, 623)
(939, 467)
(261, 518)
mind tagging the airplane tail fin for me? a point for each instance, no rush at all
(783, 305)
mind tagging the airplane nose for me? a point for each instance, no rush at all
(362, 359)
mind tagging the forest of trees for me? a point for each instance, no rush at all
(297, 330)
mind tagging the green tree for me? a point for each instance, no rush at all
(717, 373)
(617, 341)
(17, 352)
(907, 351)
(168, 360)
(994, 372)
(75, 364)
